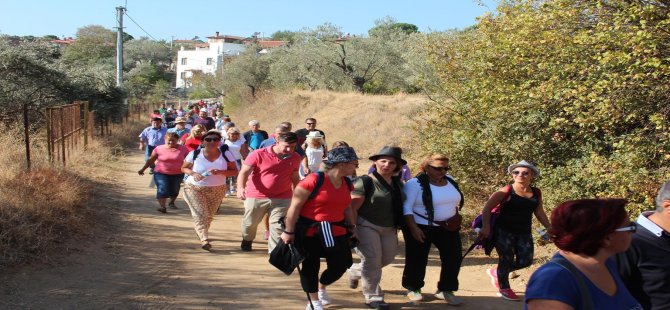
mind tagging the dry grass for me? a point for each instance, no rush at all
(366, 122)
(41, 211)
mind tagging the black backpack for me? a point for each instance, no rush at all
(320, 176)
(223, 148)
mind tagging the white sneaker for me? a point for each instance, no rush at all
(414, 295)
(323, 297)
(316, 305)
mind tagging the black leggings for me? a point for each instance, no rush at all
(515, 251)
(338, 260)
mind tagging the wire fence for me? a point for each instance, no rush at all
(68, 127)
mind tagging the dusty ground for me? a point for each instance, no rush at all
(144, 259)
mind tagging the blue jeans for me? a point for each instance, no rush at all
(167, 185)
(147, 153)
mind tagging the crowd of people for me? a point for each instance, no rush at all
(309, 196)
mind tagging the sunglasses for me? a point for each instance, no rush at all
(208, 139)
(630, 228)
(523, 173)
(310, 123)
(440, 168)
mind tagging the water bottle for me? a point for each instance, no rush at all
(206, 174)
(544, 236)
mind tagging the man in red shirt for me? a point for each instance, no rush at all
(265, 183)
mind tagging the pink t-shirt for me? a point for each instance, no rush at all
(169, 160)
(270, 176)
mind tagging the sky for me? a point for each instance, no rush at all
(171, 19)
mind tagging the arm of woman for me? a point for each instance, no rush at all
(305, 167)
(412, 192)
(495, 199)
(231, 163)
(541, 215)
(150, 161)
(300, 196)
(547, 304)
(187, 168)
(244, 150)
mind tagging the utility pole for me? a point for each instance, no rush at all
(119, 45)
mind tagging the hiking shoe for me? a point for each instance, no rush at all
(246, 246)
(449, 297)
(493, 274)
(414, 295)
(162, 210)
(508, 294)
(172, 206)
(323, 297)
(376, 302)
(316, 305)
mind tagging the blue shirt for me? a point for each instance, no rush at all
(255, 141)
(153, 136)
(180, 133)
(552, 281)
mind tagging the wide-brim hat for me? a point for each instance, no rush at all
(314, 135)
(392, 151)
(525, 164)
(181, 119)
(341, 155)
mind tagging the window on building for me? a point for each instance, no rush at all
(183, 75)
(183, 61)
(209, 61)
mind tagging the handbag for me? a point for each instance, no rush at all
(285, 257)
(488, 242)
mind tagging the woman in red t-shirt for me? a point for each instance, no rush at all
(319, 225)
(193, 140)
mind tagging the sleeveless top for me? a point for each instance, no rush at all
(517, 214)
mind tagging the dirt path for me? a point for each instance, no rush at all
(145, 259)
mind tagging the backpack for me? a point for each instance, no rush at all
(320, 177)
(223, 148)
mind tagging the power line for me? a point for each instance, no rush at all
(136, 24)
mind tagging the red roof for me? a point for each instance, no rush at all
(271, 44)
(63, 41)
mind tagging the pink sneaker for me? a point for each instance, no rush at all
(493, 274)
(508, 294)
(266, 236)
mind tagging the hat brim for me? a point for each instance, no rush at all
(536, 172)
(375, 157)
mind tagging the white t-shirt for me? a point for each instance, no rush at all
(201, 165)
(235, 147)
(445, 201)
(314, 157)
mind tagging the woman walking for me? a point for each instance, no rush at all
(194, 139)
(431, 213)
(168, 159)
(314, 152)
(318, 221)
(205, 186)
(512, 233)
(588, 233)
(238, 146)
(377, 201)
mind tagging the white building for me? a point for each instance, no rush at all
(207, 57)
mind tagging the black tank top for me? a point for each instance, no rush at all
(517, 214)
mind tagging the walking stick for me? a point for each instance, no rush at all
(309, 299)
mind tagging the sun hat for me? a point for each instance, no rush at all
(341, 155)
(181, 119)
(314, 135)
(525, 164)
(392, 151)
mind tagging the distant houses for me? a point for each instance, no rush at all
(209, 57)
